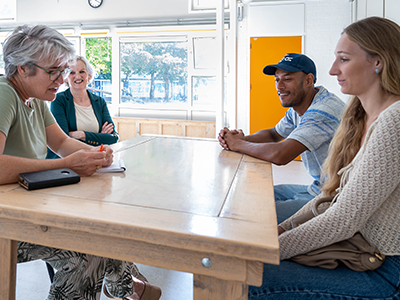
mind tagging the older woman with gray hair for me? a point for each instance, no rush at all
(81, 114)
(36, 64)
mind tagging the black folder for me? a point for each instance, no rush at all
(48, 178)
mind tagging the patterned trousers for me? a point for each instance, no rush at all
(80, 276)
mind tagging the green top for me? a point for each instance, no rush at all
(23, 126)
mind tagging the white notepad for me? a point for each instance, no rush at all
(118, 166)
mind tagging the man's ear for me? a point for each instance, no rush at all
(309, 79)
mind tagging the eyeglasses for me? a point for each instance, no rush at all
(54, 75)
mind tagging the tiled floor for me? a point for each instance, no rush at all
(33, 281)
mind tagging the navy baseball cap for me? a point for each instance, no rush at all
(293, 62)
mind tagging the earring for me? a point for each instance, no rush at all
(377, 70)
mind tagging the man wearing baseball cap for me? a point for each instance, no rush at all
(306, 129)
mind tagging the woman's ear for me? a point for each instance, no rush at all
(378, 63)
(23, 71)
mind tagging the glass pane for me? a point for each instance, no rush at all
(204, 90)
(207, 4)
(98, 52)
(76, 42)
(204, 53)
(154, 73)
(1, 59)
(8, 10)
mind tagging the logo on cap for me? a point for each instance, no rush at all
(286, 58)
(293, 62)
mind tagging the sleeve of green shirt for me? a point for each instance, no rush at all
(8, 99)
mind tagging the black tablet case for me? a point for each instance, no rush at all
(48, 178)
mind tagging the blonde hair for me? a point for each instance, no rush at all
(376, 36)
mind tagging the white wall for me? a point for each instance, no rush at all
(69, 11)
(324, 22)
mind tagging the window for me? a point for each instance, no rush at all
(164, 73)
(204, 53)
(169, 76)
(153, 72)
(98, 52)
(203, 87)
(8, 11)
(1, 59)
(204, 59)
(204, 5)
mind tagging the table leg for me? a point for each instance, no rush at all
(8, 268)
(211, 288)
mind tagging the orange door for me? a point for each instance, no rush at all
(265, 105)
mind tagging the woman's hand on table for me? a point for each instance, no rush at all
(86, 163)
(109, 155)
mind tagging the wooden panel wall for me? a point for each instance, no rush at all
(131, 127)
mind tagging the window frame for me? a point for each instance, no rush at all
(168, 34)
(186, 111)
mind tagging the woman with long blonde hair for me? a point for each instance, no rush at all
(362, 171)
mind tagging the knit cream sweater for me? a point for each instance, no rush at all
(368, 201)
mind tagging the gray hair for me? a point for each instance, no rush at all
(29, 45)
(89, 68)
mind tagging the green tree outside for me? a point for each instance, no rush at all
(98, 52)
(160, 61)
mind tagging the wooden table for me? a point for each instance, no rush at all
(182, 204)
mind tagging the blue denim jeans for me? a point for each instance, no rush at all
(292, 281)
(289, 198)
